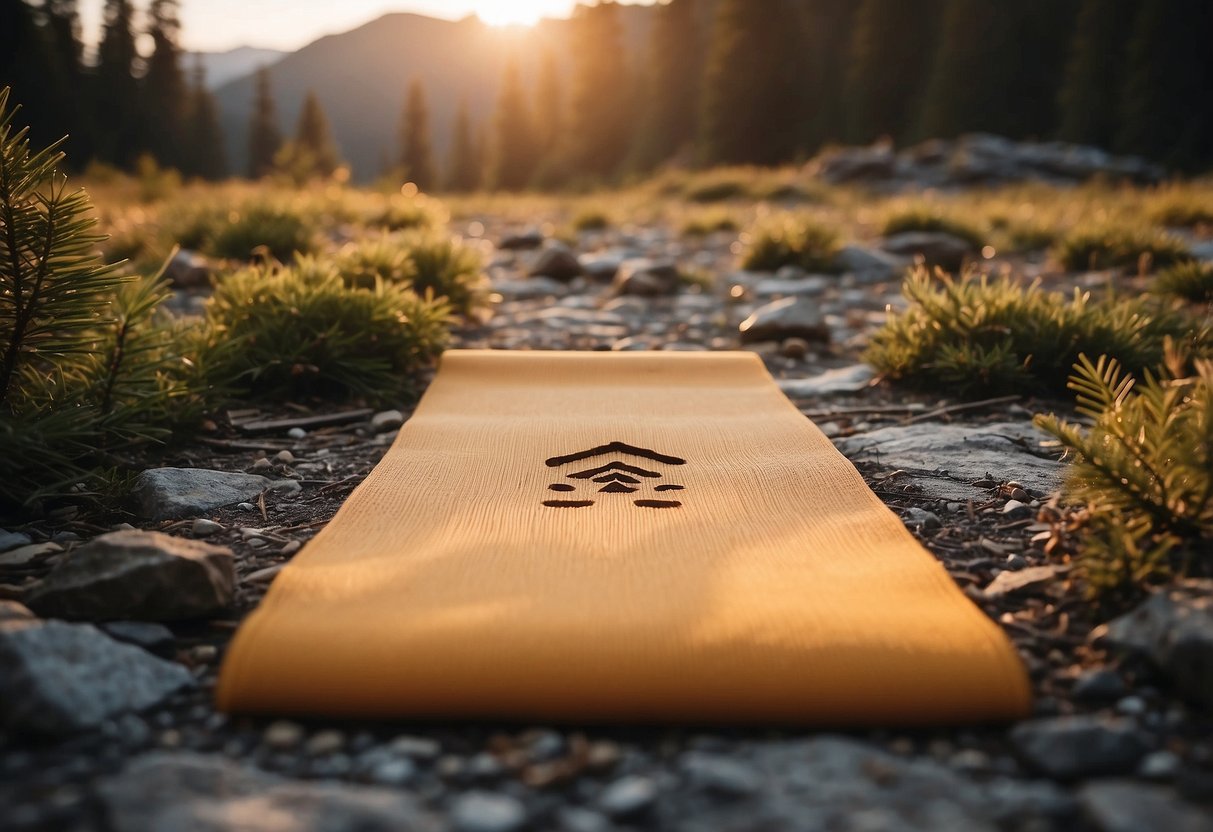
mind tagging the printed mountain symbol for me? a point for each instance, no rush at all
(616, 476)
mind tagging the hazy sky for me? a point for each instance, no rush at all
(211, 25)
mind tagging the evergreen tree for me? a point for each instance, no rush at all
(313, 139)
(749, 110)
(1094, 76)
(63, 86)
(549, 113)
(464, 163)
(206, 157)
(514, 155)
(24, 65)
(1165, 113)
(821, 37)
(600, 115)
(674, 69)
(265, 138)
(887, 69)
(116, 98)
(416, 153)
(165, 95)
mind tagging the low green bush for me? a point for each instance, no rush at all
(976, 335)
(260, 227)
(1191, 281)
(402, 213)
(1139, 248)
(791, 240)
(709, 221)
(1144, 470)
(299, 331)
(447, 268)
(932, 218)
(591, 219)
(364, 263)
(1181, 208)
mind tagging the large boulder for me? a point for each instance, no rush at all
(169, 493)
(189, 792)
(137, 575)
(60, 678)
(794, 317)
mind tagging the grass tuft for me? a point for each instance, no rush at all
(1097, 247)
(1191, 281)
(925, 217)
(447, 268)
(791, 240)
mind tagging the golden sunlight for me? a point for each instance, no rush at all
(519, 12)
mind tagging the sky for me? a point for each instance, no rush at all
(217, 25)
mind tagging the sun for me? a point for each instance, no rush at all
(519, 12)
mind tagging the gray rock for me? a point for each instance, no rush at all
(826, 784)
(921, 518)
(1174, 630)
(11, 540)
(628, 797)
(1100, 685)
(965, 453)
(169, 493)
(387, 420)
(851, 379)
(577, 819)
(152, 637)
(794, 317)
(776, 287)
(530, 288)
(870, 264)
(938, 248)
(487, 812)
(14, 611)
(521, 241)
(1008, 582)
(603, 265)
(646, 278)
(188, 792)
(138, 575)
(60, 678)
(1160, 765)
(24, 555)
(1071, 747)
(1125, 806)
(202, 527)
(720, 775)
(556, 261)
(188, 270)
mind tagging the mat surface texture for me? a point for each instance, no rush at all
(618, 537)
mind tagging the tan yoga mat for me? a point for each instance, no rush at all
(618, 536)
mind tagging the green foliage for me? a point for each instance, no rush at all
(416, 153)
(447, 269)
(670, 118)
(375, 260)
(313, 149)
(256, 227)
(1140, 248)
(1144, 469)
(515, 153)
(591, 219)
(791, 240)
(926, 217)
(1182, 208)
(709, 221)
(265, 136)
(716, 187)
(1191, 281)
(977, 336)
(465, 171)
(402, 213)
(600, 119)
(299, 330)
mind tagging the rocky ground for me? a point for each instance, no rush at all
(110, 725)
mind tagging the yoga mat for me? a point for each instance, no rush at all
(618, 537)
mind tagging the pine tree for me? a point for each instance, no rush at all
(313, 139)
(514, 155)
(549, 103)
(24, 64)
(116, 99)
(265, 138)
(1165, 114)
(887, 68)
(750, 97)
(206, 156)
(1095, 76)
(63, 86)
(600, 113)
(464, 163)
(416, 153)
(674, 68)
(821, 38)
(165, 94)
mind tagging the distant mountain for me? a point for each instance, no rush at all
(361, 76)
(222, 67)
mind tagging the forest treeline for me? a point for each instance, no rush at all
(719, 82)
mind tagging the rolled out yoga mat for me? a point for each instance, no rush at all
(618, 537)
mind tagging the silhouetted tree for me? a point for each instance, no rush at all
(204, 144)
(464, 165)
(514, 153)
(63, 87)
(888, 66)
(749, 110)
(549, 106)
(1166, 114)
(165, 95)
(115, 89)
(24, 67)
(671, 104)
(1095, 73)
(265, 137)
(313, 138)
(416, 153)
(600, 113)
(821, 33)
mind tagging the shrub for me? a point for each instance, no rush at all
(789, 240)
(1092, 248)
(299, 330)
(591, 219)
(1191, 281)
(449, 269)
(256, 227)
(367, 262)
(1144, 469)
(715, 187)
(931, 218)
(1181, 208)
(709, 221)
(403, 213)
(979, 336)
(1030, 236)
(85, 370)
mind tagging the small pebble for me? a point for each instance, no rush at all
(246, 507)
(795, 348)
(262, 464)
(204, 653)
(577, 819)
(394, 772)
(205, 528)
(1017, 510)
(1160, 765)
(283, 735)
(1131, 706)
(1102, 684)
(628, 797)
(285, 457)
(296, 433)
(419, 748)
(388, 420)
(487, 812)
(325, 742)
